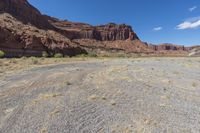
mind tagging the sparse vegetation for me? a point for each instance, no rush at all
(194, 84)
(45, 54)
(176, 73)
(58, 55)
(54, 112)
(121, 55)
(17, 64)
(34, 60)
(24, 58)
(66, 56)
(81, 55)
(103, 98)
(92, 97)
(43, 130)
(1, 63)
(68, 83)
(100, 89)
(14, 61)
(91, 54)
(112, 102)
(2, 54)
(50, 95)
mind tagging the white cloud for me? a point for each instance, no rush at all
(189, 25)
(192, 8)
(157, 28)
(193, 19)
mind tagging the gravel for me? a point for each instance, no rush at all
(148, 95)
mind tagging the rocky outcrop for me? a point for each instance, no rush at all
(24, 28)
(24, 12)
(25, 31)
(170, 47)
(116, 32)
(128, 46)
(16, 37)
(195, 51)
(166, 47)
(108, 32)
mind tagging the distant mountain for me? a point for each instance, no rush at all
(26, 32)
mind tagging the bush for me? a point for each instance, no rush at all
(23, 57)
(67, 56)
(2, 54)
(81, 55)
(121, 55)
(87, 55)
(45, 54)
(92, 55)
(14, 61)
(58, 55)
(34, 60)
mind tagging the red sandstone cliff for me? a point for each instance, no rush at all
(108, 32)
(25, 31)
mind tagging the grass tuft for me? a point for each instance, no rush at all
(58, 55)
(53, 95)
(112, 102)
(194, 84)
(92, 97)
(43, 130)
(53, 113)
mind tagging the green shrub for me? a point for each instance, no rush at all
(81, 55)
(23, 57)
(34, 60)
(104, 55)
(121, 55)
(14, 61)
(67, 56)
(2, 54)
(45, 54)
(92, 55)
(58, 55)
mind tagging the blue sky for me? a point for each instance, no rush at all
(155, 21)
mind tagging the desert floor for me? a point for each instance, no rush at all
(124, 95)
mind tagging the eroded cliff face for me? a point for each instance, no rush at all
(18, 39)
(108, 32)
(194, 51)
(24, 28)
(25, 31)
(116, 32)
(167, 47)
(24, 12)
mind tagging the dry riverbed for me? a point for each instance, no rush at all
(141, 95)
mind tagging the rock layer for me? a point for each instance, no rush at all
(195, 51)
(25, 31)
(24, 12)
(18, 39)
(108, 32)
(167, 46)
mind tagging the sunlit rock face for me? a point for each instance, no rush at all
(25, 13)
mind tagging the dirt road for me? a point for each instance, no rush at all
(114, 95)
